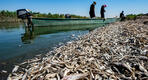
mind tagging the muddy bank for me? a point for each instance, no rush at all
(117, 51)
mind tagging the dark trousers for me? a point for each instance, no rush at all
(102, 15)
(92, 14)
(29, 22)
(122, 19)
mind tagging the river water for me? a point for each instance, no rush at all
(18, 43)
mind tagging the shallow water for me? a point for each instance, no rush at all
(16, 40)
(18, 43)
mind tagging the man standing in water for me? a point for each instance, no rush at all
(92, 10)
(102, 12)
(29, 19)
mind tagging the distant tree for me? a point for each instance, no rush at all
(62, 16)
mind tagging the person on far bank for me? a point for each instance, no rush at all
(92, 10)
(122, 17)
(103, 11)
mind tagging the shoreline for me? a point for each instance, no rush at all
(98, 55)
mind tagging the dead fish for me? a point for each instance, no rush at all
(15, 69)
(58, 77)
(75, 77)
(3, 71)
(9, 77)
(142, 68)
(66, 72)
(24, 76)
(48, 76)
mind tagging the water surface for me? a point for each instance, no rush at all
(18, 43)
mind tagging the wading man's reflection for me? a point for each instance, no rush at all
(28, 36)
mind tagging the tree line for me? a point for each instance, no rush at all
(6, 13)
(13, 14)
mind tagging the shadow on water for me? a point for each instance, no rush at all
(31, 33)
(22, 43)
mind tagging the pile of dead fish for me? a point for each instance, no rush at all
(117, 51)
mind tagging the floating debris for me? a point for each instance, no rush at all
(3, 71)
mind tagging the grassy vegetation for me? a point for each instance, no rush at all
(8, 16)
(49, 15)
(13, 14)
(131, 17)
(6, 13)
(134, 16)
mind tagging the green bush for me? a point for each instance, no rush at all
(6, 13)
(131, 17)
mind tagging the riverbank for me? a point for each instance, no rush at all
(117, 51)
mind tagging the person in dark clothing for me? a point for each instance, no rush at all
(102, 12)
(122, 17)
(92, 10)
(29, 19)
